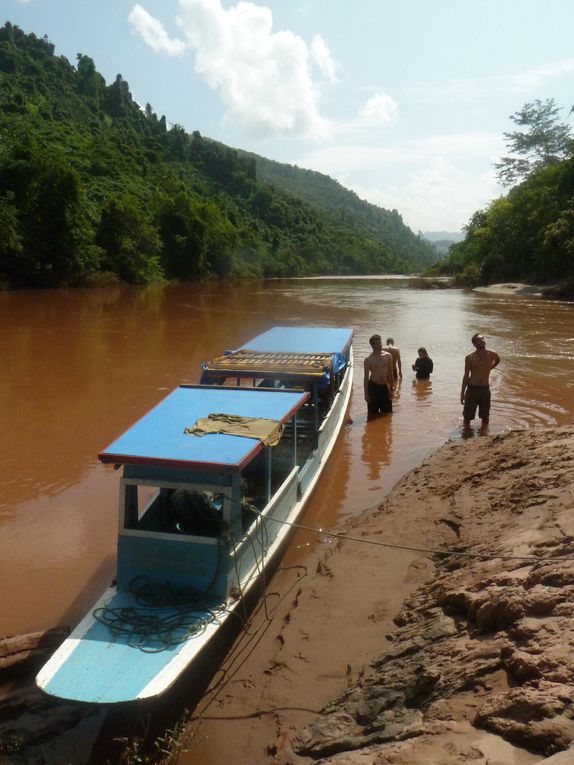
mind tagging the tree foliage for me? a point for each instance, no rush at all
(527, 235)
(130, 244)
(90, 184)
(542, 140)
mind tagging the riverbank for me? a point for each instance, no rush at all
(382, 655)
(507, 289)
(563, 291)
(365, 651)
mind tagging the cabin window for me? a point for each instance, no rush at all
(195, 512)
(173, 510)
(140, 501)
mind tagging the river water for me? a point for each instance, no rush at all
(79, 366)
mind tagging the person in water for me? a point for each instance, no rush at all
(396, 354)
(423, 365)
(475, 391)
(378, 380)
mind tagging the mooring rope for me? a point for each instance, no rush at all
(341, 535)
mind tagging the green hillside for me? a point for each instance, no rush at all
(382, 226)
(93, 188)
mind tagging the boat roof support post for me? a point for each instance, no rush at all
(232, 506)
(315, 403)
(268, 454)
(294, 431)
(129, 514)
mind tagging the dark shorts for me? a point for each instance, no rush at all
(476, 396)
(380, 400)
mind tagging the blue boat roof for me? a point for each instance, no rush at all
(159, 438)
(329, 340)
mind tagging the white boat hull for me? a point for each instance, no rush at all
(94, 666)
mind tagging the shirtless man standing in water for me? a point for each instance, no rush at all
(379, 379)
(475, 389)
(396, 354)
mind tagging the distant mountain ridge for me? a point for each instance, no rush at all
(439, 236)
(442, 240)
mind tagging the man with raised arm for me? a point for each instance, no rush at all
(379, 380)
(475, 391)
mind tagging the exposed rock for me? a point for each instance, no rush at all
(29, 717)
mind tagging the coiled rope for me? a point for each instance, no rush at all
(162, 617)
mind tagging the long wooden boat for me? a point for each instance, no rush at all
(201, 515)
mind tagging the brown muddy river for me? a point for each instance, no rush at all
(79, 366)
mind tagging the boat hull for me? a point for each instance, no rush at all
(95, 666)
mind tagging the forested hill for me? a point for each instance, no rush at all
(380, 225)
(94, 188)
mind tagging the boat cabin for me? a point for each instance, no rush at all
(188, 502)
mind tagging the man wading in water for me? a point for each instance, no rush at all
(396, 354)
(475, 389)
(379, 379)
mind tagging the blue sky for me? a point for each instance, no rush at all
(404, 102)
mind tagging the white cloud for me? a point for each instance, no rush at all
(380, 109)
(474, 89)
(321, 55)
(263, 77)
(435, 182)
(437, 196)
(153, 33)
(345, 158)
(533, 79)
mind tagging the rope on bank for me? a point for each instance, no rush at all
(487, 556)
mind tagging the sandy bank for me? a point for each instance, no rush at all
(511, 288)
(377, 655)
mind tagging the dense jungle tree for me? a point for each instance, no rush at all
(131, 246)
(46, 219)
(527, 235)
(183, 232)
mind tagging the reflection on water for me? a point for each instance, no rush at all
(422, 390)
(376, 448)
(79, 366)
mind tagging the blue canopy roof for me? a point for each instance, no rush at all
(159, 438)
(302, 340)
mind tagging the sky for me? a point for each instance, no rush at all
(405, 102)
